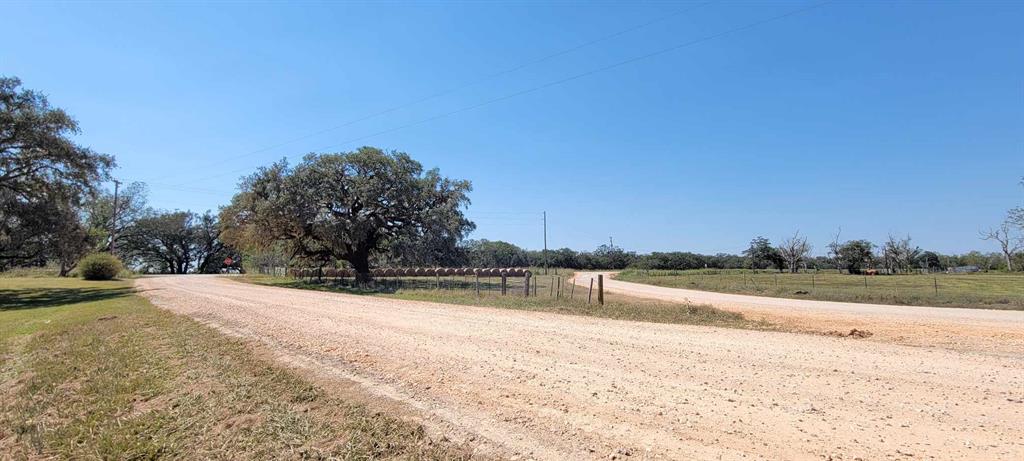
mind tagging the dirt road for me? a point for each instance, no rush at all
(548, 386)
(980, 330)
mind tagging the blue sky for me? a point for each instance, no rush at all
(877, 117)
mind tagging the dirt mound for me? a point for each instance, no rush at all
(854, 333)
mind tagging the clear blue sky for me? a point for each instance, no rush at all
(879, 117)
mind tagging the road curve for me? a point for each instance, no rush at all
(982, 330)
(546, 386)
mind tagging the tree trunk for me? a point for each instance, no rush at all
(361, 265)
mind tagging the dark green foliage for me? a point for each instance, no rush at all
(486, 253)
(855, 255)
(350, 206)
(44, 179)
(762, 255)
(100, 266)
(176, 242)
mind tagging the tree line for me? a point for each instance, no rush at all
(895, 255)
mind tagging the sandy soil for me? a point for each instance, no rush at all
(981, 330)
(547, 386)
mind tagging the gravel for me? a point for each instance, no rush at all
(548, 386)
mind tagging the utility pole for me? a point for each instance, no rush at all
(545, 242)
(611, 243)
(113, 220)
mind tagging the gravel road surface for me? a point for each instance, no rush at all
(547, 386)
(980, 330)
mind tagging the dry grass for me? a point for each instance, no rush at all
(987, 291)
(92, 371)
(462, 290)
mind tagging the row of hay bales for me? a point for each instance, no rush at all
(417, 272)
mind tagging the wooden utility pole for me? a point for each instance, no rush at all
(545, 243)
(113, 219)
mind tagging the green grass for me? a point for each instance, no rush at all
(89, 370)
(988, 290)
(462, 290)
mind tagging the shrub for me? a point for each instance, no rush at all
(99, 266)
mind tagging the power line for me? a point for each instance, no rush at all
(557, 82)
(471, 83)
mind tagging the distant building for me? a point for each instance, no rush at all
(963, 269)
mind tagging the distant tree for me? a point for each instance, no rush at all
(762, 254)
(132, 204)
(209, 251)
(346, 206)
(44, 175)
(854, 255)
(611, 257)
(1010, 242)
(931, 261)
(487, 253)
(794, 250)
(899, 256)
(163, 242)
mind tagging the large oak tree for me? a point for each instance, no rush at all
(350, 206)
(44, 179)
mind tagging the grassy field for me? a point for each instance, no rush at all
(989, 291)
(89, 370)
(549, 298)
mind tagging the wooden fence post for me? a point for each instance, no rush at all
(936, 286)
(590, 294)
(572, 289)
(477, 285)
(526, 286)
(600, 289)
(504, 287)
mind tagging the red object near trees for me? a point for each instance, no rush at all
(228, 261)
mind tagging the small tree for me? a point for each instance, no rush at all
(854, 255)
(1009, 242)
(762, 254)
(898, 254)
(795, 250)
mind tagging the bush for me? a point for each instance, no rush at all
(99, 266)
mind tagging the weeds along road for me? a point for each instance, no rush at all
(987, 331)
(549, 386)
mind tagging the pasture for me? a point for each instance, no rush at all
(548, 293)
(980, 290)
